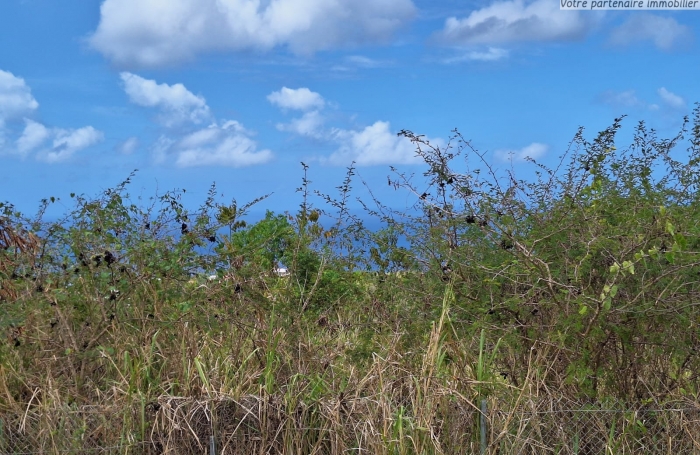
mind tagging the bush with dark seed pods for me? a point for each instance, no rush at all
(109, 257)
(596, 288)
(506, 244)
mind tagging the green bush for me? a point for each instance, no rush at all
(581, 281)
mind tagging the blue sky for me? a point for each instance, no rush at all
(239, 92)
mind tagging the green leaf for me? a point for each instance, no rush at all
(613, 291)
(681, 241)
(583, 309)
(669, 228)
(607, 303)
(184, 306)
(670, 256)
(628, 267)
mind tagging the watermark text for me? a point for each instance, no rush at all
(629, 4)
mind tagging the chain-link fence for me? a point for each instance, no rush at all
(253, 424)
(570, 427)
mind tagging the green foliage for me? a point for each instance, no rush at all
(581, 281)
(596, 260)
(263, 244)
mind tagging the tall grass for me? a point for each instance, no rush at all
(578, 287)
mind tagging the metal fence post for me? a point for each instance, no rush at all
(212, 445)
(483, 427)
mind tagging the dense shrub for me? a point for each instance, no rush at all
(581, 281)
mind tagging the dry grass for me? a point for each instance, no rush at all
(264, 385)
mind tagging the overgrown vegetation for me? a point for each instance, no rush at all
(582, 282)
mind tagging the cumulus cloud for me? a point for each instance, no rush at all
(371, 146)
(33, 136)
(665, 32)
(175, 103)
(16, 98)
(310, 124)
(64, 143)
(534, 151)
(149, 33)
(17, 102)
(300, 99)
(671, 99)
(67, 142)
(226, 145)
(368, 146)
(516, 21)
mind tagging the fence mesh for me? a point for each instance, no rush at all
(252, 424)
(569, 427)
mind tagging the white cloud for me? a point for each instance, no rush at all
(671, 99)
(129, 146)
(155, 32)
(33, 136)
(16, 101)
(626, 99)
(490, 55)
(161, 148)
(664, 32)
(300, 99)
(629, 100)
(67, 142)
(516, 21)
(16, 98)
(371, 146)
(535, 151)
(310, 124)
(64, 143)
(175, 102)
(225, 145)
